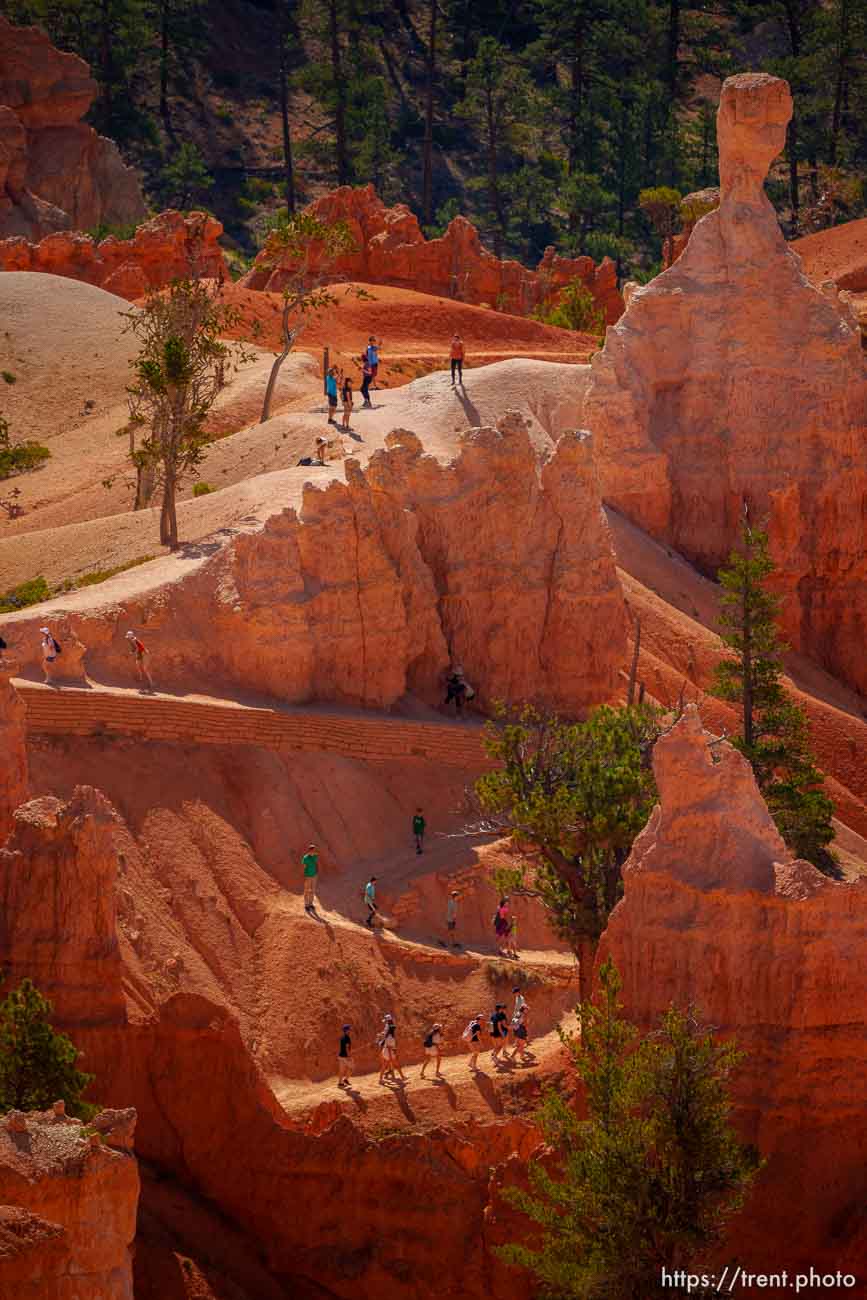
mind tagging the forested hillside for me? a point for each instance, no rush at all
(542, 120)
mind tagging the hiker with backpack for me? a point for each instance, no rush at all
(387, 1044)
(433, 1049)
(50, 651)
(138, 652)
(472, 1036)
(370, 901)
(521, 1034)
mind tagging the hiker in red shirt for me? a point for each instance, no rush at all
(457, 360)
(138, 652)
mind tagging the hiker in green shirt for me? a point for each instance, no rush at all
(418, 825)
(310, 863)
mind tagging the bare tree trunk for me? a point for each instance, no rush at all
(165, 20)
(340, 93)
(427, 182)
(289, 337)
(169, 513)
(586, 954)
(288, 169)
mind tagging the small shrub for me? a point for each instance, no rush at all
(502, 972)
(105, 230)
(574, 309)
(37, 1065)
(27, 593)
(7, 376)
(19, 457)
(201, 489)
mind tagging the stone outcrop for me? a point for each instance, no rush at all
(13, 781)
(716, 914)
(67, 1207)
(391, 249)
(713, 393)
(493, 561)
(165, 248)
(56, 173)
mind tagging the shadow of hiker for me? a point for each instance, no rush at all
(442, 1082)
(398, 1088)
(314, 916)
(488, 1092)
(355, 1096)
(470, 410)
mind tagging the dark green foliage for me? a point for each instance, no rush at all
(579, 793)
(37, 1065)
(774, 728)
(575, 309)
(650, 1178)
(185, 180)
(7, 377)
(201, 489)
(32, 592)
(19, 457)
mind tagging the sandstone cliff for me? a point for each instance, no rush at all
(491, 560)
(716, 914)
(391, 249)
(733, 380)
(56, 173)
(167, 247)
(67, 1206)
(13, 782)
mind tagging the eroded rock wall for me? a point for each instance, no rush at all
(67, 1207)
(492, 560)
(56, 173)
(716, 914)
(733, 382)
(167, 247)
(391, 249)
(13, 781)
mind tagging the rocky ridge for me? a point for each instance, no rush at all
(56, 173)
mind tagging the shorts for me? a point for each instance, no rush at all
(387, 1053)
(521, 1031)
(332, 403)
(430, 1051)
(452, 924)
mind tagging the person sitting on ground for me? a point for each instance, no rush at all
(457, 359)
(456, 689)
(433, 1049)
(370, 901)
(344, 1057)
(366, 381)
(331, 393)
(50, 651)
(138, 652)
(346, 395)
(310, 863)
(452, 917)
(418, 829)
(472, 1036)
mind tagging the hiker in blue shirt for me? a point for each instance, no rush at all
(331, 393)
(372, 355)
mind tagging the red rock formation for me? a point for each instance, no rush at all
(711, 392)
(715, 913)
(13, 781)
(56, 173)
(67, 1207)
(391, 249)
(161, 250)
(377, 583)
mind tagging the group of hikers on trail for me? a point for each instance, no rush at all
(499, 1026)
(339, 390)
(50, 650)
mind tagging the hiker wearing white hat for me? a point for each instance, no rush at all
(138, 652)
(50, 651)
(433, 1049)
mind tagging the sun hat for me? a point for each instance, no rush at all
(45, 629)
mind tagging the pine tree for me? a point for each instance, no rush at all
(648, 1181)
(37, 1065)
(774, 729)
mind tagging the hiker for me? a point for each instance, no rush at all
(472, 1036)
(522, 1035)
(499, 1029)
(321, 449)
(387, 1044)
(502, 924)
(521, 1003)
(344, 1057)
(331, 393)
(372, 355)
(346, 395)
(452, 917)
(310, 863)
(366, 380)
(456, 689)
(138, 652)
(433, 1049)
(418, 827)
(457, 359)
(50, 651)
(370, 901)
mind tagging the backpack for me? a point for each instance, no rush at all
(429, 1042)
(57, 649)
(468, 1032)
